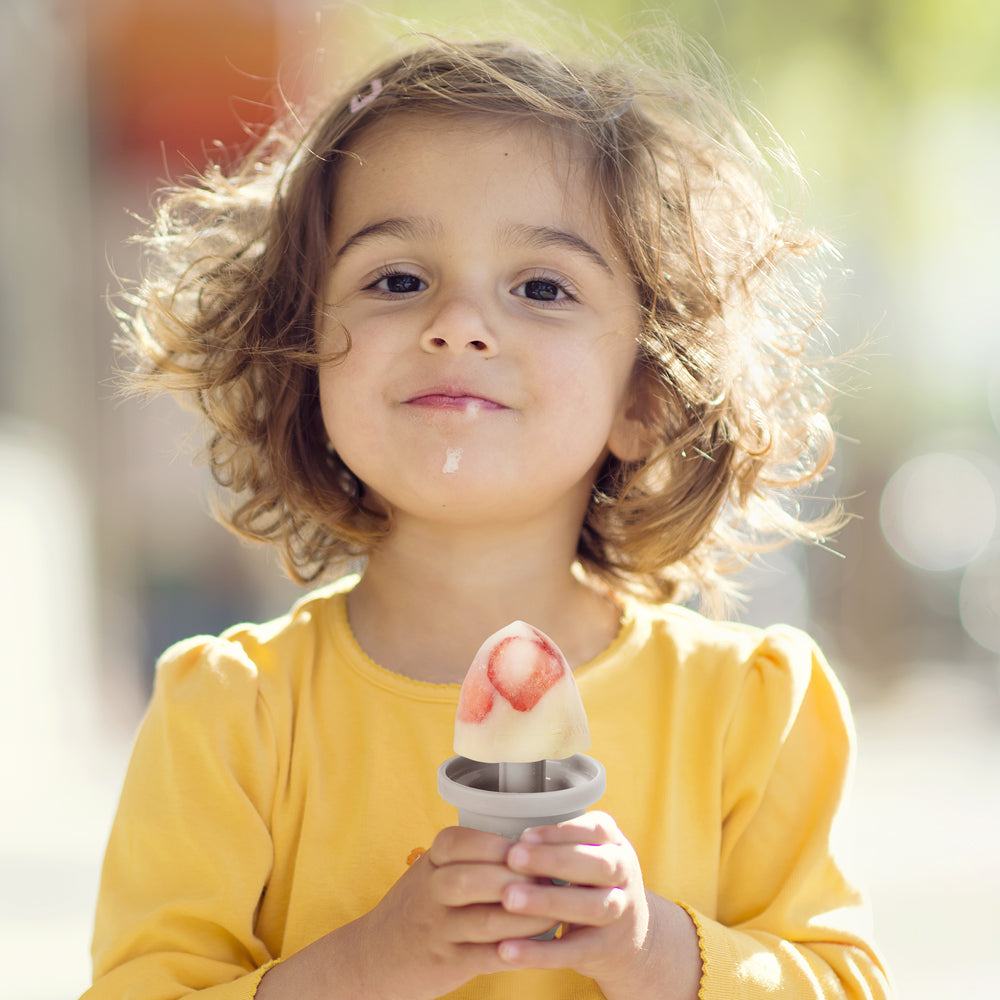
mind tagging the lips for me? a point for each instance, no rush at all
(453, 399)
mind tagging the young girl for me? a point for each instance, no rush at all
(526, 338)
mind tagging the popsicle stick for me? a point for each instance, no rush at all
(528, 777)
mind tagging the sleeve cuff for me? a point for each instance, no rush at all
(258, 976)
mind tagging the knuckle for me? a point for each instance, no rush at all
(606, 827)
(452, 886)
(493, 923)
(442, 955)
(598, 819)
(443, 845)
(615, 904)
(621, 870)
(443, 890)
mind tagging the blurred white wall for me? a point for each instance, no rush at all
(59, 772)
(60, 765)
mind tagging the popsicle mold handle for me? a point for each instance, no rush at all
(571, 787)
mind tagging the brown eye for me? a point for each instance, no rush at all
(397, 284)
(546, 291)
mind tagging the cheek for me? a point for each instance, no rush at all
(339, 386)
(333, 339)
(599, 382)
(583, 415)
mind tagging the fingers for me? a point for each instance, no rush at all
(456, 844)
(576, 905)
(468, 867)
(579, 864)
(491, 924)
(489, 898)
(594, 827)
(466, 878)
(571, 951)
(468, 884)
(588, 851)
(605, 887)
(493, 890)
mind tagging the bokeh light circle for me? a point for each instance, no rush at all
(938, 511)
(979, 600)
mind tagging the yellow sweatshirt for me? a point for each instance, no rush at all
(281, 778)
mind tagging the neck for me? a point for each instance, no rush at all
(428, 600)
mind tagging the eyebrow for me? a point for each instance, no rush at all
(544, 237)
(398, 228)
(540, 237)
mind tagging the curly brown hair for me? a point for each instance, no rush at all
(730, 387)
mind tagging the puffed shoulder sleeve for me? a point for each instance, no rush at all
(788, 921)
(190, 849)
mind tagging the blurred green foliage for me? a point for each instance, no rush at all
(841, 80)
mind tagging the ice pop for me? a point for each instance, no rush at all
(519, 701)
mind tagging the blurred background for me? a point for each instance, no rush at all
(108, 554)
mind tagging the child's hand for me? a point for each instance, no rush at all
(439, 925)
(632, 942)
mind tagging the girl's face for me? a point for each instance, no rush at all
(492, 324)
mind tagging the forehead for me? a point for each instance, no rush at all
(553, 142)
(402, 154)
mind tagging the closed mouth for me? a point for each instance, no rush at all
(450, 400)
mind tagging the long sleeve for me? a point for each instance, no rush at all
(190, 851)
(788, 923)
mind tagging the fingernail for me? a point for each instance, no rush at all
(531, 836)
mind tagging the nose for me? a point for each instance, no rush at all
(459, 326)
